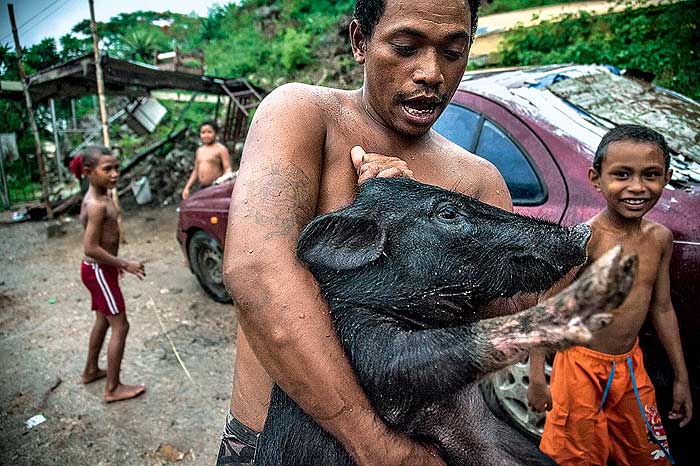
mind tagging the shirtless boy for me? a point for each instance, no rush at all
(211, 160)
(100, 271)
(595, 410)
(297, 164)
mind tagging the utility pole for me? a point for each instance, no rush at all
(32, 121)
(98, 76)
(57, 141)
(103, 108)
(72, 114)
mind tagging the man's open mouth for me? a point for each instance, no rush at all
(422, 108)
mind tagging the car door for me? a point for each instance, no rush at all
(489, 130)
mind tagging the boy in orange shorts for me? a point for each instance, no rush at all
(602, 402)
(101, 269)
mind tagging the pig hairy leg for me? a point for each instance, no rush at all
(569, 317)
(437, 362)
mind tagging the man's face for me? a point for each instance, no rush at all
(414, 61)
(632, 177)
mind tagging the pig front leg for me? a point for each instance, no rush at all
(436, 362)
(567, 319)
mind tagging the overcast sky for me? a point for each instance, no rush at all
(37, 19)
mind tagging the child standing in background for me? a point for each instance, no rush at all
(211, 160)
(100, 272)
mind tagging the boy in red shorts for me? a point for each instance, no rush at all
(602, 402)
(100, 271)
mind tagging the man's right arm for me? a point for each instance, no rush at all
(281, 310)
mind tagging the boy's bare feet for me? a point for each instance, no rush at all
(89, 377)
(124, 392)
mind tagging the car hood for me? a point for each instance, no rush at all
(209, 197)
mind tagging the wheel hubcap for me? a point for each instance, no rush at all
(510, 386)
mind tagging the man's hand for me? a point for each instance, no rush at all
(682, 403)
(185, 193)
(377, 166)
(539, 397)
(135, 268)
(402, 451)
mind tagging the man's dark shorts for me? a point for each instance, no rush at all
(238, 444)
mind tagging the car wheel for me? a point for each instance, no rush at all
(506, 393)
(206, 259)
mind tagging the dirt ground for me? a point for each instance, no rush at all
(45, 322)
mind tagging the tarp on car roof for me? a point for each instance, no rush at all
(628, 101)
(585, 101)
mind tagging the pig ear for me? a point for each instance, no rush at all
(340, 242)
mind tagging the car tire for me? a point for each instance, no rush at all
(206, 260)
(506, 394)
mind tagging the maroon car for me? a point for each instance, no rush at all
(540, 127)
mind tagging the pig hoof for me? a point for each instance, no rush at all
(598, 321)
(609, 279)
(578, 333)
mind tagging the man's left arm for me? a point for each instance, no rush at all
(666, 324)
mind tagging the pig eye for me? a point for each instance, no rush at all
(447, 212)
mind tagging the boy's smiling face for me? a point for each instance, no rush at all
(632, 177)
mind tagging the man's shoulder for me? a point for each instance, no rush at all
(304, 96)
(476, 176)
(301, 113)
(462, 157)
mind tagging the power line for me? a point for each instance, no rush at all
(37, 14)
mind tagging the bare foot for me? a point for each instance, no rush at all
(124, 392)
(87, 378)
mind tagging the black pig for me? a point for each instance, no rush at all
(407, 270)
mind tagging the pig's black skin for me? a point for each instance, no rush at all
(406, 270)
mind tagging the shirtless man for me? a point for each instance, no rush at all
(296, 165)
(211, 160)
(602, 402)
(100, 272)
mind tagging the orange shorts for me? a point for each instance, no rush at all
(579, 431)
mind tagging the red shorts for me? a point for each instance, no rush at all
(103, 283)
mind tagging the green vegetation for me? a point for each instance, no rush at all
(271, 42)
(503, 6)
(662, 39)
